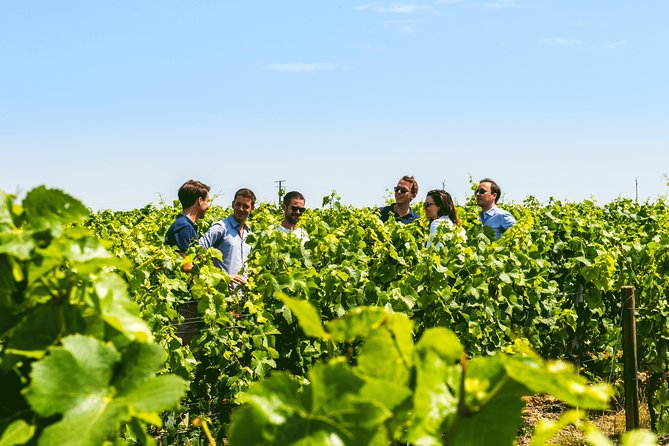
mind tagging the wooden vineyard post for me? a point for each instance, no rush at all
(629, 356)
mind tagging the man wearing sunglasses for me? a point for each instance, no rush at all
(229, 236)
(405, 191)
(487, 195)
(293, 210)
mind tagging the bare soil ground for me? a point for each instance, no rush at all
(546, 407)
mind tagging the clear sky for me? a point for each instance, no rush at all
(119, 102)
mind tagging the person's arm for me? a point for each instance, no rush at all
(432, 233)
(212, 236)
(183, 238)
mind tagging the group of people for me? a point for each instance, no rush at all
(229, 235)
(440, 207)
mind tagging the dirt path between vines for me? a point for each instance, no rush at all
(546, 407)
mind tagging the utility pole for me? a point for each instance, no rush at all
(281, 189)
(636, 185)
(443, 184)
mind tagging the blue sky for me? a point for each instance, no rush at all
(119, 102)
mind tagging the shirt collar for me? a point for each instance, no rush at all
(491, 211)
(235, 224)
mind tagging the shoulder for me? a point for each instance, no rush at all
(217, 228)
(180, 222)
(411, 216)
(385, 210)
(444, 219)
(504, 213)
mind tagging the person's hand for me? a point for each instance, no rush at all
(237, 279)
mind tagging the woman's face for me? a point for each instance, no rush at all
(431, 208)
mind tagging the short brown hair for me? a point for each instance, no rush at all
(246, 193)
(494, 188)
(290, 195)
(411, 180)
(190, 191)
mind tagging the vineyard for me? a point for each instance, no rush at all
(360, 336)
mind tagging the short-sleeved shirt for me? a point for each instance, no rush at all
(498, 219)
(181, 233)
(224, 235)
(387, 211)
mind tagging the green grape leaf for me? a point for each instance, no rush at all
(559, 379)
(40, 328)
(307, 316)
(331, 411)
(141, 361)
(17, 244)
(438, 379)
(45, 207)
(381, 358)
(496, 423)
(17, 433)
(276, 397)
(73, 375)
(6, 205)
(118, 310)
(75, 380)
(639, 437)
(443, 342)
(357, 323)
(388, 393)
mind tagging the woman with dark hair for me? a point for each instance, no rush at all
(440, 209)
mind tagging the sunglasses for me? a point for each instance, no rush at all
(401, 190)
(427, 205)
(298, 209)
(481, 191)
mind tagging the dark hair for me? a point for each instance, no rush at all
(190, 191)
(445, 204)
(247, 193)
(290, 195)
(411, 180)
(494, 188)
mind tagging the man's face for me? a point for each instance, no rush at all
(242, 207)
(203, 205)
(403, 194)
(293, 211)
(484, 197)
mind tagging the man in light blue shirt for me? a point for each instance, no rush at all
(487, 195)
(229, 236)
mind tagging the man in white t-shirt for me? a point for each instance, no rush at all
(293, 209)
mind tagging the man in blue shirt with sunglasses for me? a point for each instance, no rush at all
(487, 195)
(405, 191)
